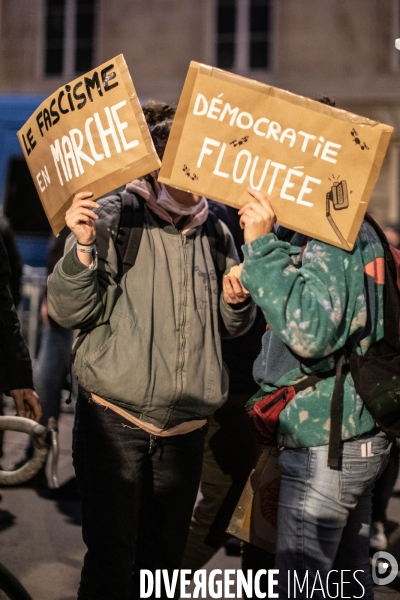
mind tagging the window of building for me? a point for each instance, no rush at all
(244, 29)
(70, 37)
(259, 31)
(55, 26)
(226, 27)
(84, 30)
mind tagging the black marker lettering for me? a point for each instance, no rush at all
(79, 96)
(54, 113)
(61, 109)
(40, 124)
(31, 140)
(92, 84)
(107, 78)
(71, 104)
(47, 119)
(28, 150)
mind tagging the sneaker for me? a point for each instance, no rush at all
(377, 536)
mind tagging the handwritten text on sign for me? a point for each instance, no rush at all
(231, 133)
(90, 134)
(246, 166)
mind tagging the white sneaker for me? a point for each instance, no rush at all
(377, 537)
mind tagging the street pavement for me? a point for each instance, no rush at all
(40, 534)
(40, 537)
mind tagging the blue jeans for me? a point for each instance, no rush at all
(52, 368)
(324, 517)
(138, 493)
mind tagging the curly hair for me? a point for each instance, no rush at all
(159, 117)
(325, 100)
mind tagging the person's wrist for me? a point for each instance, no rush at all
(86, 244)
(86, 249)
(252, 236)
(240, 305)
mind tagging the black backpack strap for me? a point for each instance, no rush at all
(130, 231)
(216, 238)
(310, 381)
(390, 340)
(335, 434)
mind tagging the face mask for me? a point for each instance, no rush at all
(166, 201)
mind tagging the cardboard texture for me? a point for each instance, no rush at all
(317, 164)
(255, 517)
(90, 134)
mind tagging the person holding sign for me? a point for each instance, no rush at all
(15, 363)
(313, 296)
(149, 365)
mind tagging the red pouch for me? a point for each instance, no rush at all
(265, 413)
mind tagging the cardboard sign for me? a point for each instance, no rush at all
(90, 134)
(317, 164)
(256, 514)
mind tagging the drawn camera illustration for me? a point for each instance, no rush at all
(338, 196)
(384, 568)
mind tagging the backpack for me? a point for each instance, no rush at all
(376, 375)
(130, 229)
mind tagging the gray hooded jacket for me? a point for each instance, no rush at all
(153, 343)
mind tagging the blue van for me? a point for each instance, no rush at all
(18, 197)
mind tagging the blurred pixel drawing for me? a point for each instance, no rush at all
(187, 172)
(357, 140)
(339, 198)
(242, 140)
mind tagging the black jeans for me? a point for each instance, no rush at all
(138, 493)
(384, 486)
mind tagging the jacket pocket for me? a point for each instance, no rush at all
(119, 368)
(91, 358)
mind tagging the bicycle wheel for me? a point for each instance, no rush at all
(41, 447)
(10, 587)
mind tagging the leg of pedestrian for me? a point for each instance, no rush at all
(109, 461)
(172, 480)
(314, 508)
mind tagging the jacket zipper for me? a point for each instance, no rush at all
(274, 401)
(184, 306)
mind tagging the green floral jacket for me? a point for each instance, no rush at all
(314, 298)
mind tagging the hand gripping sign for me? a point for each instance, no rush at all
(90, 134)
(317, 164)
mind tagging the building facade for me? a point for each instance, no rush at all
(341, 48)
